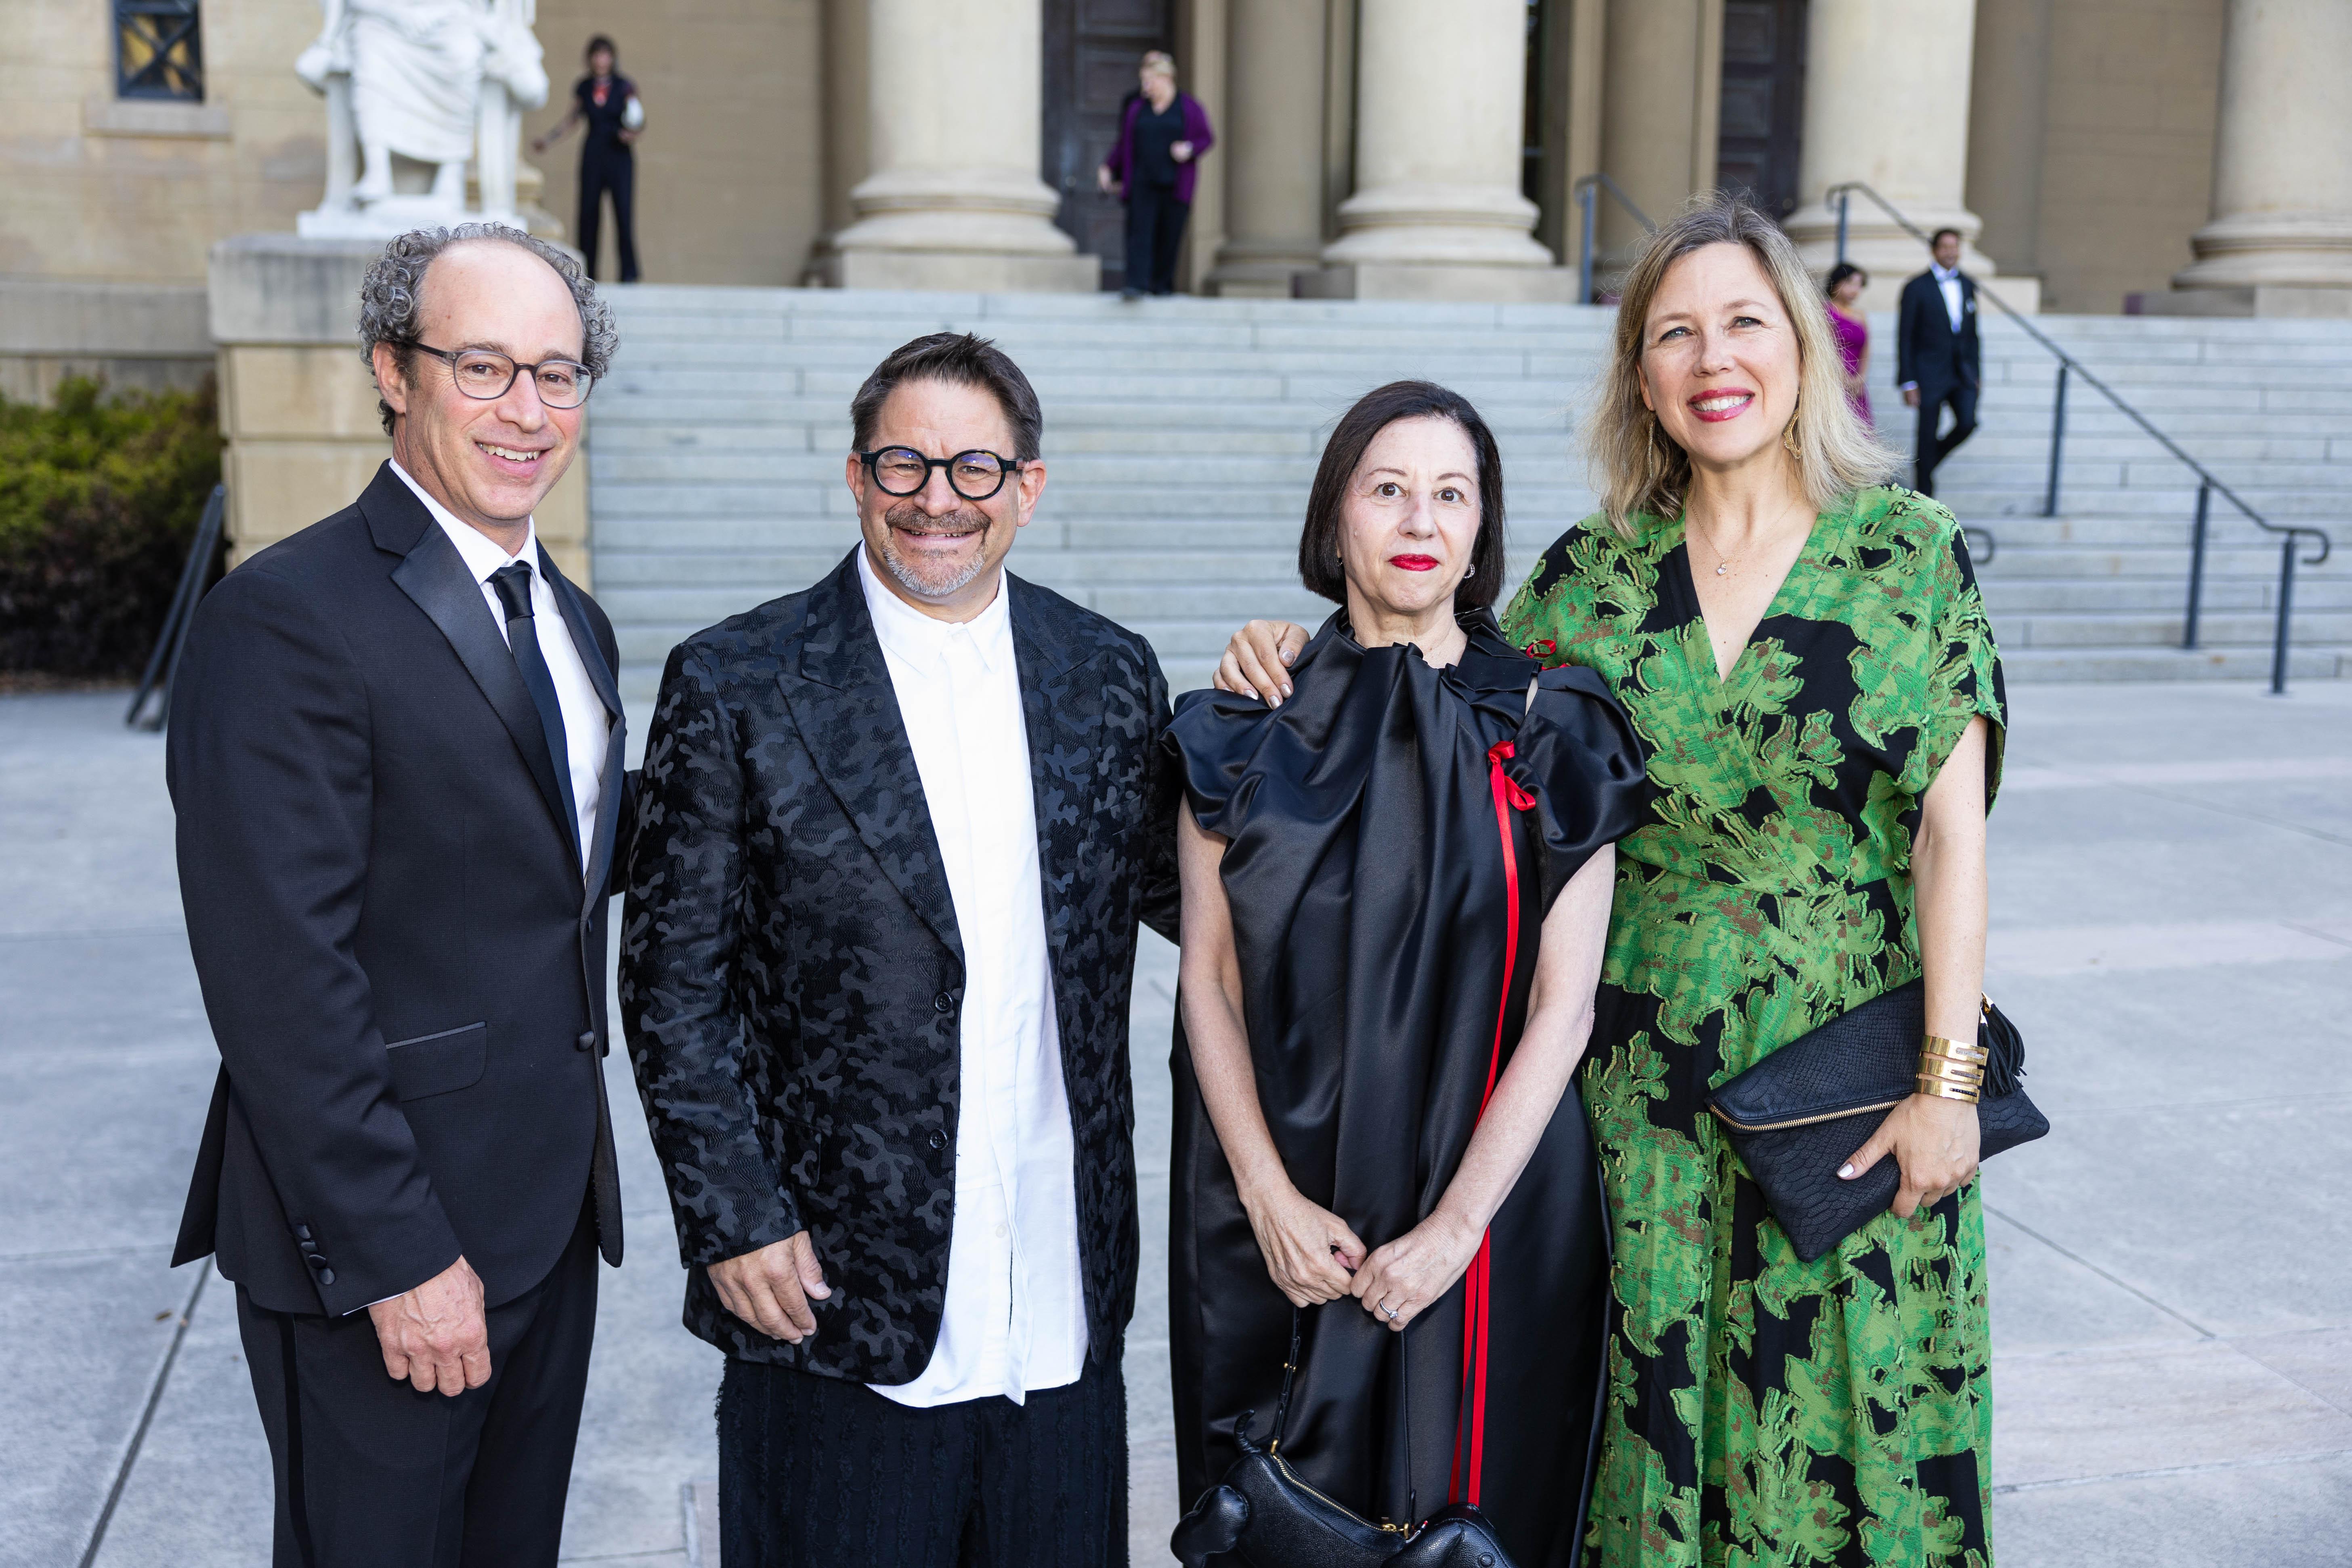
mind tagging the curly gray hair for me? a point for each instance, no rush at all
(391, 302)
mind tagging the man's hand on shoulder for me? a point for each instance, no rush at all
(770, 1289)
(436, 1336)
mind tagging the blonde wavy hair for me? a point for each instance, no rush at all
(1637, 466)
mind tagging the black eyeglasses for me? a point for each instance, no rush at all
(903, 471)
(485, 374)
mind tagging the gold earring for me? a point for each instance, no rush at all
(1788, 434)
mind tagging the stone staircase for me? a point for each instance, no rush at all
(1181, 436)
(2099, 592)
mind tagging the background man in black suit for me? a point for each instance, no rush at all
(1937, 358)
(895, 837)
(395, 754)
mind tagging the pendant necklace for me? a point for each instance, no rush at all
(1723, 564)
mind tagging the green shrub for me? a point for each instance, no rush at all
(99, 498)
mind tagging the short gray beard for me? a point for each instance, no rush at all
(914, 583)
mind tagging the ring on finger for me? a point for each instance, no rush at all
(1392, 1312)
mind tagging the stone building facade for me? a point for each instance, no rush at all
(2103, 156)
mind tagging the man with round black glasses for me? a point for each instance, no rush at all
(396, 756)
(895, 835)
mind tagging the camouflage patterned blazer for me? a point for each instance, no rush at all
(791, 970)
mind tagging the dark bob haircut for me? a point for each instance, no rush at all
(1840, 273)
(959, 359)
(601, 42)
(1318, 543)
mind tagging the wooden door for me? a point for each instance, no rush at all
(1763, 107)
(1092, 48)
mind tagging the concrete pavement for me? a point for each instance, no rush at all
(2172, 1269)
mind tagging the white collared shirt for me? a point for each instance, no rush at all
(1950, 283)
(587, 728)
(1015, 1318)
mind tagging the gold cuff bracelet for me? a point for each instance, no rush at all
(1951, 1070)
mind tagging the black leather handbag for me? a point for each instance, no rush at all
(1799, 1115)
(1264, 1516)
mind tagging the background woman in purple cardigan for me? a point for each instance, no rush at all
(1154, 164)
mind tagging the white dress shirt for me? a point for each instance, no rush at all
(587, 728)
(1950, 283)
(1015, 1318)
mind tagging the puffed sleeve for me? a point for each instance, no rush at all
(1577, 753)
(1213, 736)
(1959, 674)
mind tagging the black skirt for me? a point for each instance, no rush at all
(1371, 908)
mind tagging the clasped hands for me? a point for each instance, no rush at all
(1313, 1256)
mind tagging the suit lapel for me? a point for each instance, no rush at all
(848, 716)
(1063, 720)
(433, 574)
(616, 733)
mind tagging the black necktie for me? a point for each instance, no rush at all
(513, 585)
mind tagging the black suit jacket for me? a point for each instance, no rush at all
(402, 963)
(791, 970)
(1926, 350)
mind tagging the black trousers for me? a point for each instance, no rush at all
(370, 1472)
(1155, 229)
(816, 1471)
(1933, 449)
(615, 173)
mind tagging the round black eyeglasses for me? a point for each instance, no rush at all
(903, 471)
(484, 374)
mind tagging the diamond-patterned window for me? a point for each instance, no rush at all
(157, 51)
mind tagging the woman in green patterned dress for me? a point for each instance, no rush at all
(1807, 657)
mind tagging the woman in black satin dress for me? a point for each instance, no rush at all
(1396, 889)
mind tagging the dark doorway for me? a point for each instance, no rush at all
(1091, 50)
(1763, 111)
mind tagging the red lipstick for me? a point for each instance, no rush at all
(1741, 400)
(1414, 562)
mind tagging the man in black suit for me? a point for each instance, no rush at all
(895, 835)
(395, 754)
(1937, 355)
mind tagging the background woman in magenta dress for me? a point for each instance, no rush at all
(1852, 331)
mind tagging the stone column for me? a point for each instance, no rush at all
(1272, 147)
(2281, 238)
(1887, 102)
(1659, 115)
(954, 124)
(843, 28)
(1441, 89)
(2007, 118)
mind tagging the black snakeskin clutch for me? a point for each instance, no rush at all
(1799, 1115)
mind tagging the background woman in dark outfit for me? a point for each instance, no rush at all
(1395, 887)
(608, 102)
(1155, 163)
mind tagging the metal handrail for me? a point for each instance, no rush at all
(2208, 483)
(1586, 191)
(164, 663)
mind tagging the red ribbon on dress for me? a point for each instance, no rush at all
(1508, 797)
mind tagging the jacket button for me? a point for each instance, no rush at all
(326, 1277)
(944, 1002)
(317, 1260)
(937, 1142)
(586, 1042)
(302, 1233)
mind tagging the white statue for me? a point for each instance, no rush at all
(437, 82)
(514, 78)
